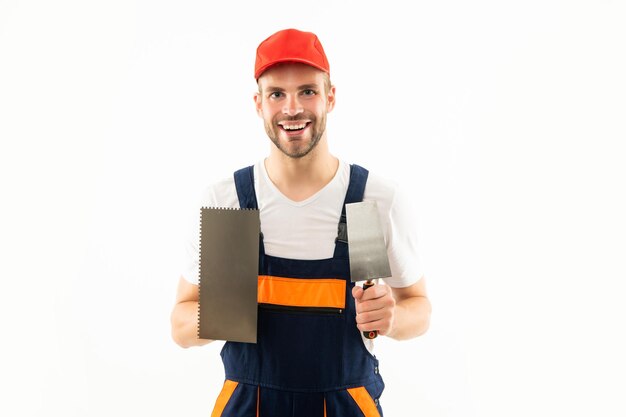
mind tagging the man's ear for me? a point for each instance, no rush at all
(257, 104)
(330, 99)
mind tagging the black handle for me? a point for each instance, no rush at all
(370, 334)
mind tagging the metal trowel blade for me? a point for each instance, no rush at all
(366, 243)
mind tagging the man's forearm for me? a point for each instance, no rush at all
(411, 318)
(185, 325)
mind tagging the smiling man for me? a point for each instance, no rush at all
(293, 100)
(309, 360)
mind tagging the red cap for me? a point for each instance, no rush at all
(290, 45)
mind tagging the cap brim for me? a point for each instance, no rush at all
(265, 67)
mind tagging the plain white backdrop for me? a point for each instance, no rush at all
(505, 120)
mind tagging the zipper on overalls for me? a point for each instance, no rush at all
(295, 309)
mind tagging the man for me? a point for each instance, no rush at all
(308, 361)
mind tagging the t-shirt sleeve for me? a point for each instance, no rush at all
(191, 259)
(399, 226)
(402, 245)
(219, 194)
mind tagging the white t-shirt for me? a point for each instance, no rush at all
(307, 229)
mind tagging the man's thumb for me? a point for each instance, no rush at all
(357, 292)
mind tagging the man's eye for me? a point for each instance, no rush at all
(275, 94)
(308, 92)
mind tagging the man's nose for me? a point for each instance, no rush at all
(292, 106)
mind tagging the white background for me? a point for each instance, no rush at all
(505, 120)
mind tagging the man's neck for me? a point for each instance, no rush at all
(300, 178)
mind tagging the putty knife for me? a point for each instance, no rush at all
(366, 246)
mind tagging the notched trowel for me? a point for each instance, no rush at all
(366, 247)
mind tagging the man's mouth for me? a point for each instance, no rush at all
(294, 127)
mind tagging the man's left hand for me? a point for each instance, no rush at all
(374, 308)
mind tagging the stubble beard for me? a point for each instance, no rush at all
(318, 127)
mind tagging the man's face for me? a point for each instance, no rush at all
(293, 101)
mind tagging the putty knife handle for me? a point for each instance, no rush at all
(371, 334)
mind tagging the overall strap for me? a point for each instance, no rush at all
(244, 182)
(356, 189)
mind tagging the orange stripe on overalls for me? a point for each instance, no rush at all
(325, 292)
(222, 399)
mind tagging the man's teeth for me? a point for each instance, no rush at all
(294, 127)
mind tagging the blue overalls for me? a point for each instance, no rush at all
(309, 359)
